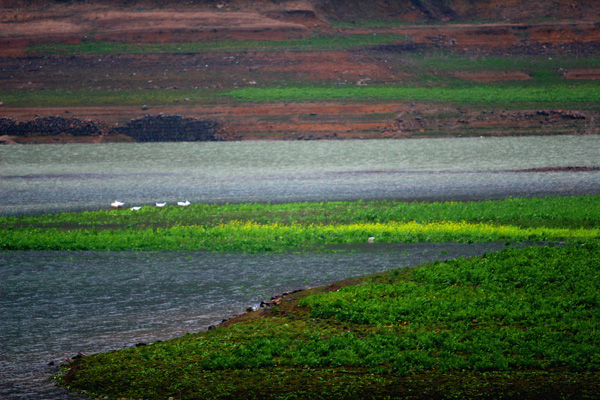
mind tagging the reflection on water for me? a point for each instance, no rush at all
(43, 178)
(56, 304)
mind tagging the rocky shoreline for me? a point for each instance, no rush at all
(404, 121)
(159, 128)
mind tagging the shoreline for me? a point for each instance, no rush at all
(20, 127)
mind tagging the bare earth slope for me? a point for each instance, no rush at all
(540, 30)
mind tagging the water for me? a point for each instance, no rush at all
(51, 178)
(57, 304)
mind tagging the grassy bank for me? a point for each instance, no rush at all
(557, 94)
(514, 324)
(279, 227)
(423, 74)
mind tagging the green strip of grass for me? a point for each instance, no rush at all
(479, 94)
(559, 94)
(312, 43)
(521, 323)
(551, 212)
(249, 237)
(263, 227)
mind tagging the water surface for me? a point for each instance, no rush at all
(50, 178)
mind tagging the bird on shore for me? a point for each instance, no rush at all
(161, 204)
(116, 204)
(183, 203)
(135, 208)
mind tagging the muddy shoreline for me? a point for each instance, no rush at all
(239, 123)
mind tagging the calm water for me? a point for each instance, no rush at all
(42, 178)
(56, 304)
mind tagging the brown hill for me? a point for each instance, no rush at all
(465, 28)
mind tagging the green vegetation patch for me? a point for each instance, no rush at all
(519, 322)
(264, 227)
(553, 212)
(476, 94)
(252, 237)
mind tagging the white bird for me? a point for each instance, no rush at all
(116, 204)
(161, 204)
(135, 208)
(183, 203)
(371, 239)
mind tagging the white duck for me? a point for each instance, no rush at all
(117, 204)
(161, 204)
(183, 203)
(135, 208)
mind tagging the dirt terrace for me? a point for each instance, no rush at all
(145, 22)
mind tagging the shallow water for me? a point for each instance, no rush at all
(51, 178)
(57, 304)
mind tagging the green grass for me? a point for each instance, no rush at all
(559, 93)
(430, 77)
(519, 323)
(280, 227)
(250, 237)
(553, 212)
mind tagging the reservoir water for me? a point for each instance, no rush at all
(51, 178)
(57, 304)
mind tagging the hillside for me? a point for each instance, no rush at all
(290, 70)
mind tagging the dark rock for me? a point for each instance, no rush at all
(171, 128)
(52, 126)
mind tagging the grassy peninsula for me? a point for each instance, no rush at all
(518, 323)
(296, 226)
(514, 324)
